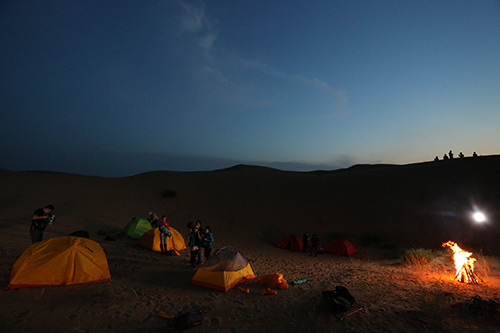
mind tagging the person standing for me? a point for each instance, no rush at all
(315, 244)
(193, 246)
(39, 221)
(164, 228)
(208, 241)
(153, 219)
(305, 241)
(198, 239)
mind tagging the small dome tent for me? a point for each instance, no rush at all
(60, 261)
(291, 242)
(341, 247)
(137, 227)
(223, 271)
(151, 240)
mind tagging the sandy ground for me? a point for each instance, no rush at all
(394, 297)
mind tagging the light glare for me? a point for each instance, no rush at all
(479, 217)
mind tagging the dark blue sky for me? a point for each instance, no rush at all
(115, 88)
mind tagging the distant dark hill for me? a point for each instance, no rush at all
(421, 204)
(4, 170)
(248, 168)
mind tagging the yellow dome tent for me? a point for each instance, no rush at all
(151, 240)
(60, 261)
(223, 271)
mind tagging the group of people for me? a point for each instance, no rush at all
(199, 238)
(315, 244)
(450, 156)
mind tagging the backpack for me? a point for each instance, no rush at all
(340, 300)
(185, 320)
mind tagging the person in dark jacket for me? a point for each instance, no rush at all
(41, 218)
(315, 245)
(305, 241)
(199, 239)
(208, 241)
(194, 249)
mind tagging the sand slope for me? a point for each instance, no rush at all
(381, 208)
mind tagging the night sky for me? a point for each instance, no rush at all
(115, 88)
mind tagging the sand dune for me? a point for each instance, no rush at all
(380, 208)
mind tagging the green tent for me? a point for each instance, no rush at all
(137, 227)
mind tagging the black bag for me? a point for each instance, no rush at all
(184, 320)
(340, 300)
(80, 233)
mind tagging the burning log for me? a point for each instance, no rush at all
(466, 274)
(464, 264)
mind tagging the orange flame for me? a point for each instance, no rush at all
(463, 262)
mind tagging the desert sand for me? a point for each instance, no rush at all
(381, 209)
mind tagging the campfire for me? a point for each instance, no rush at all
(464, 264)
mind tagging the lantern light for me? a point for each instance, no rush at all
(479, 217)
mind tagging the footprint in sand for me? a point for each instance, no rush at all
(23, 314)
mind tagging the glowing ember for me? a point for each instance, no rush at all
(464, 264)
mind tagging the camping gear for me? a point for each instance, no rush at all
(137, 227)
(479, 308)
(268, 291)
(299, 281)
(60, 261)
(275, 280)
(151, 240)
(185, 320)
(80, 233)
(341, 247)
(162, 314)
(340, 300)
(223, 271)
(245, 290)
(291, 242)
(351, 313)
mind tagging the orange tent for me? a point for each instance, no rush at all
(223, 271)
(151, 240)
(291, 242)
(60, 261)
(341, 247)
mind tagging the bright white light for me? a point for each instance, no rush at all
(479, 217)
